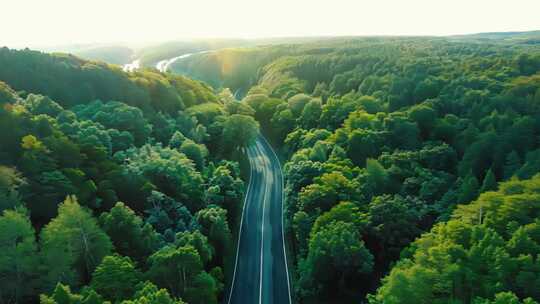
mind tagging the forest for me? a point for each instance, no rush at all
(411, 171)
(411, 164)
(114, 187)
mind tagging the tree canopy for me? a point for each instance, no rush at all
(109, 169)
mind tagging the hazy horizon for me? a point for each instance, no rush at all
(63, 22)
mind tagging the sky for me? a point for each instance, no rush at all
(64, 22)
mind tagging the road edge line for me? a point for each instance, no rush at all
(241, 225)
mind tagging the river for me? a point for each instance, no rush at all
(162, 65)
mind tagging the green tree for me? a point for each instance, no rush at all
(512, 164)
(347, 212)
(198, 241)
(164, 168)
(301, 224)
(298, 102)
(166, 213)
(376, 177)
(72, 245)
(394, 222)
(129, 234)
(53, 187)
(319, 152)
(311, 114)
(19, 260)
(505, 298)
(283, 122)
(327, 191)
(7, 94)
(196, 152)
(403, 133)
(62, 295)
(177, 139)
(264, 107)
(226, 190)
(235, 107)
(370, 104)
(468, 189)
(175, 268)
(10, 182)
(336, 110)
(38, 104)
(120, 140)
(335, 254)
(204, 290)
(363, 144)
(239, 131)
(116, 115)
(425, 117)
(226, 96)
(147, 293)
(115, 278)
(408, 287)
(489, 183)
(214, 224)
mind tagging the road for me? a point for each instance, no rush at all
(261, 274)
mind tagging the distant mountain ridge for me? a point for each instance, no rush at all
(151, 53)
(513, 36)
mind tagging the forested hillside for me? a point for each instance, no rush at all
(411, 168)
(150, 55)
(389, 139)
(488, 249)
(114, 187)
(71, 81)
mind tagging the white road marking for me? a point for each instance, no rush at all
(264, 161)
(264, 166)
(241, 224)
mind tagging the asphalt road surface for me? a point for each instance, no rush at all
(260, 273)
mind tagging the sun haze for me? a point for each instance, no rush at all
(66, 21)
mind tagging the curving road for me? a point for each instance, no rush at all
(260, 273)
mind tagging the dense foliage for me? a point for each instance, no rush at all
(70, 81)
(489, 247)
(231, 68)
(411, 171)
(114, 187)
(384, 138)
